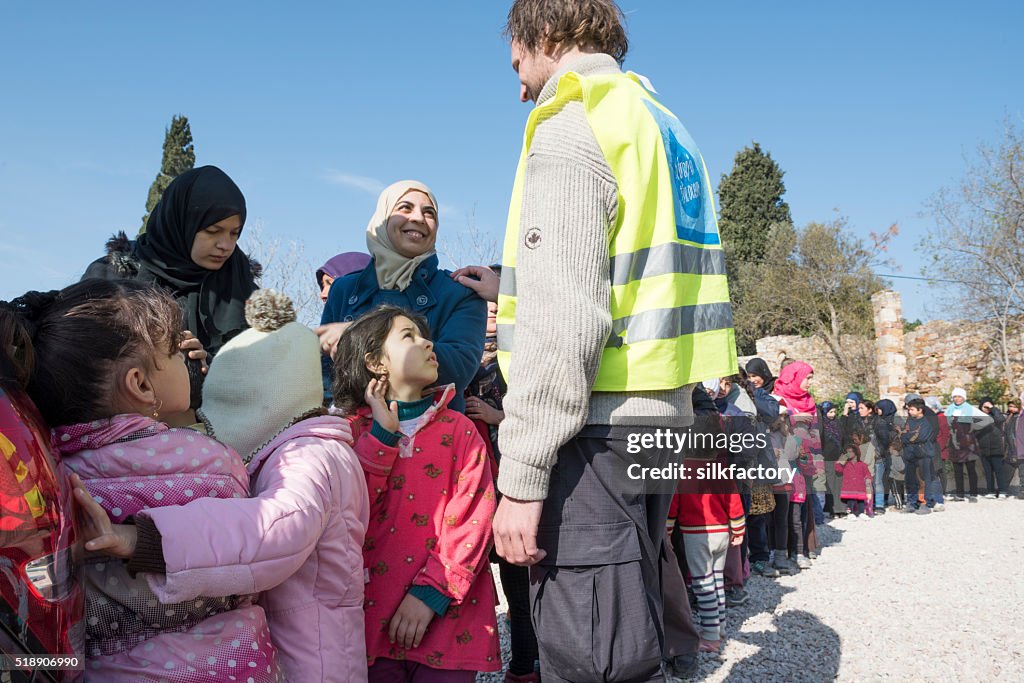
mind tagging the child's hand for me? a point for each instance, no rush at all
(409, 623)
(735, 540)
(98, 532)
(376, 397)
(193, 348)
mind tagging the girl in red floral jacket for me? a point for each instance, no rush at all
(857, 483)
(429, 597)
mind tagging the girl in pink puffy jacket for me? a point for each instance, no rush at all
(857, 482)
(101, 360)
(298, 540)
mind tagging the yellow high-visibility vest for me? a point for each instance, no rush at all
(671, 318)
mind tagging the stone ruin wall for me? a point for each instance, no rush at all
(942, 355)
(828, 379)
(930, 360)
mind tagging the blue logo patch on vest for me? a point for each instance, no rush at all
(688, 191)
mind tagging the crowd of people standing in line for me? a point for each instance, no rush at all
(856, 461)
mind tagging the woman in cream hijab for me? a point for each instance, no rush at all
(404, 272)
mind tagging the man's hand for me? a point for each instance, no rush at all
(409, 623)
(515, 531)
(98, 532)
(478, 409)
(480, 279)
(329, 335)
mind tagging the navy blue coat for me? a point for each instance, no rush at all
(456, 315)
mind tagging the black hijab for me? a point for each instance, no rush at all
(757, 366)
(213, 300)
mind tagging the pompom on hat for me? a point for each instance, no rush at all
(265, 378)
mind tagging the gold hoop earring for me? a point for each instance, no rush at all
(156, 408)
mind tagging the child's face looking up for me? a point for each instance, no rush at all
(409, 358)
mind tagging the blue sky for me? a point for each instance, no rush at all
(869, 107)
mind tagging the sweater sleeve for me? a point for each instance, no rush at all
(149, 553)
(563, 314)
(465, 537)
(256, 543)
(737, 520)
(673, 513)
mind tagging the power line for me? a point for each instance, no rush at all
(897, 277)
(930, 279)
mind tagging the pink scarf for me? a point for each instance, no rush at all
(787, 386)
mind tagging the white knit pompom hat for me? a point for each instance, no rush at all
(265, 377)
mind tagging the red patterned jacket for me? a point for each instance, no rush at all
(431, 506)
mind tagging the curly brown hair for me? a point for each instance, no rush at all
(587, 24)
(69, 347)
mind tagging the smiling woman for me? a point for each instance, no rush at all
(404, 272)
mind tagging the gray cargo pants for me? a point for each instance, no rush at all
(597, 597)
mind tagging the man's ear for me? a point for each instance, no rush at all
(553, 51)
(136, 387)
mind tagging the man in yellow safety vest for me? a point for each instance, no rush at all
(613, 304)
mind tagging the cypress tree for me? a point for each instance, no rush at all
(751, 209)
(751, 202)
(179, 156)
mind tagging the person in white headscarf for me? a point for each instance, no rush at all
(964, 420)
(401, 237)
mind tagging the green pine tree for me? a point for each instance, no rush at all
(751, 208)
(751, 202)
(179, 156)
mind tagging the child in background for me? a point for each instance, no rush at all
(299, 539)
(866, 441)
(430, 597)
(897, 469)
(786, 452)
(710, 521)
(801, 519)
(101, 360)
(857, 486)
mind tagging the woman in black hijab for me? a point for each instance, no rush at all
(760, 375)
(189, 248)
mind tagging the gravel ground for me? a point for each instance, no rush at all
(902, 597)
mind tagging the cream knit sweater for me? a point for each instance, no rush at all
(563, 316)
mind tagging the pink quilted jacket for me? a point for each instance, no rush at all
(299, 539)
(130, 463)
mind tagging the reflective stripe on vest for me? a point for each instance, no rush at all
(671, 318)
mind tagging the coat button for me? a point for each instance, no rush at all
(352, 300)
(347, 319)
(421, 300)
